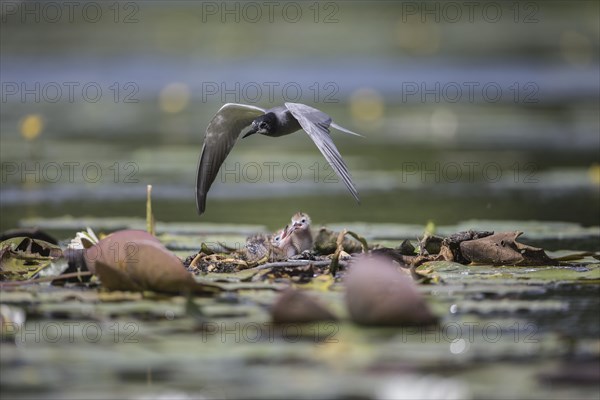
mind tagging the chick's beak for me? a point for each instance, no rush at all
(285, 233)
(290, 230)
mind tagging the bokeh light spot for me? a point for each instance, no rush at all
(174, 97)
(31, 126)
(366, 106)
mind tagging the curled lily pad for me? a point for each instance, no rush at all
(377, 293)
(503, 249)
(136, 261)
(117, 246)
(294, 306)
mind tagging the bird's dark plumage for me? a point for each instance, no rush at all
(232, 119)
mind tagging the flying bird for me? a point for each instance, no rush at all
(233, 119)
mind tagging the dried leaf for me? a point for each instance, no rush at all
(21, 258)
(503, 249)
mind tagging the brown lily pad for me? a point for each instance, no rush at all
(130, 260)
(503, 249)
(117, 246)
(294, 306)
(379, 293)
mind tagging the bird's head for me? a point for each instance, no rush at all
(263, 125)
(279, 239)
(300, 221)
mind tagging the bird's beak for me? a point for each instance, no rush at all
(287, 231)
(252, 131)
(297, 225)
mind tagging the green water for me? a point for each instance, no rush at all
(505, 163)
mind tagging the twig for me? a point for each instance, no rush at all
(362, 240)
(149, 216)
(299, 263)
(333, 268)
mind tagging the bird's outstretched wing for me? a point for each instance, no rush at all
(221, 134)
(316, 124)
(342, 129)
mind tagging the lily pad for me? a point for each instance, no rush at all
(134, 260)
(295, 306)
(378, 294)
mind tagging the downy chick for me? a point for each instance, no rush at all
(301, 237)
(260, 246)
(282, 240)
(257, 247)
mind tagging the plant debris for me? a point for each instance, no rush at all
(22, 258)
(501, 249)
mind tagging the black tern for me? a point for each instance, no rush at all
(232, 119)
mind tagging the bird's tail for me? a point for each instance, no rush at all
(342, 129)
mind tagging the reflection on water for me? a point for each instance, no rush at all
(463, 119)
(404, 185)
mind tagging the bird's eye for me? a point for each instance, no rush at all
(303, 220)
(276, 238)
(262, 125)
